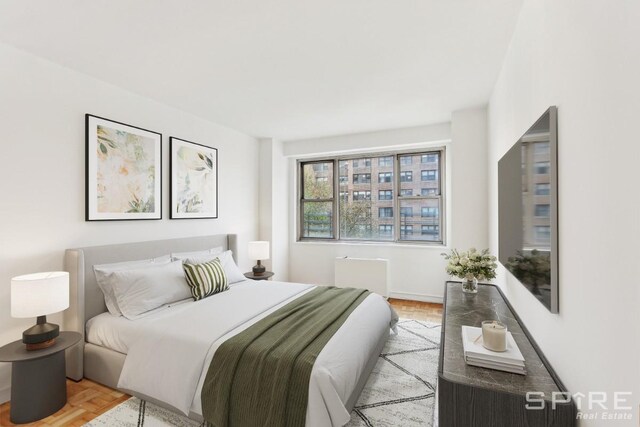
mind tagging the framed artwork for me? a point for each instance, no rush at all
(123, 171)
(194, 180)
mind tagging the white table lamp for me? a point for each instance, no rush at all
(258, 250)
(36, 295)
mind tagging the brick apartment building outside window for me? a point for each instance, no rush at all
(365, 208)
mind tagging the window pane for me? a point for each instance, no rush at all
(542, 210)
(542, 189)
(420, 220)
(406, 160)
(317, 219)
(385, 195)
(430, 158)
(385, 177)
(361, 178)
(429, 175)
(406, 192)
(385, 161)
(362, 195)
(318, 180)
(542, 234)
(420, 176)
(542, 168)
(385, 212)
(406, 176)
(385, 230)
(541, 148)
(355, 214)
(406, 231)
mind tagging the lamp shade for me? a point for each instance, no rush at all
(258, 250)
(39, 294)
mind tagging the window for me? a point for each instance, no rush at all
(362, 178)
(541, 148)
(429, 175)
(429, 212)
(542, 168)
(362, 163)
(385, 177)
(362, 195)
(542, 210)
(406, 211)
(317, 201)
(406, 230)
(542, 233)
(406, 176)
(542, 189)
(385, 230)
(376, 198)
(430, 231)
(429, 158)
(385, 212)
(385, 195)
(385, 162)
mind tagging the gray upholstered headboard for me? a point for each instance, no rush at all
(86, 299)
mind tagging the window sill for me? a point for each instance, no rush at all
(416, 245)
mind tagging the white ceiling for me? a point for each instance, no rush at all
(287, 69)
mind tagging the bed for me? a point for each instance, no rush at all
(114, 348)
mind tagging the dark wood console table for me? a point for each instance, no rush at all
(476, 397)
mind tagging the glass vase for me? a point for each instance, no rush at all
(470, 286)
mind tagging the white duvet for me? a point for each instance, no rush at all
(169, 351)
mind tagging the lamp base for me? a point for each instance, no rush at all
(41, 345)
(259, 269)
(41, 335)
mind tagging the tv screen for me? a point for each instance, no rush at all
(528, 210)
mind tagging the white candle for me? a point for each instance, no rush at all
(494, 335)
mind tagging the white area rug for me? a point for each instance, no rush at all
(399, 392)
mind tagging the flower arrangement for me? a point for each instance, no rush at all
(471, 264)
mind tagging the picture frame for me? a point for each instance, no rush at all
(194, 180)
(123, 171)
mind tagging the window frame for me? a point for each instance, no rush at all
(396, 198)
(302, 200)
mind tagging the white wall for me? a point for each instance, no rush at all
(416, 271)
(274, 212)
(42, 107)
(582, 57)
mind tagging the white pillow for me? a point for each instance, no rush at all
(197, 254)
(102, 277)
(229, 266)
(143, 289)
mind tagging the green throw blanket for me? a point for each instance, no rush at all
(260, 377)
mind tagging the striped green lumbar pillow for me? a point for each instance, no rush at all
(205, 279)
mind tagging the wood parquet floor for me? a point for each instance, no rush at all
(87, 400)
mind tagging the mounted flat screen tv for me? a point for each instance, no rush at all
(528, 210)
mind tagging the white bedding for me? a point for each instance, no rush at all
(175, 336)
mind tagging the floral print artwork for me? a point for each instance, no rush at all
(126, 171)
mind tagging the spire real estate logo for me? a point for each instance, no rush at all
(594, 405)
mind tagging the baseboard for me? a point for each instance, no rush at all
(416, 297)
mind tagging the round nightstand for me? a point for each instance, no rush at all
(264, 276)
(38, 378)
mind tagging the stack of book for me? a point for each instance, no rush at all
(476, 354)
